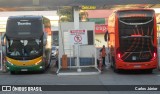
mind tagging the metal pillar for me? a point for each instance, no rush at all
(76, 27)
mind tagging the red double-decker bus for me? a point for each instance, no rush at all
(133, 39)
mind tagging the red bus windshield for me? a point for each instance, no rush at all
(136, 35)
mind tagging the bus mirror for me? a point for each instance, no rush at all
(106, 36)
(3, 40)
(44, 42)
(45, 39)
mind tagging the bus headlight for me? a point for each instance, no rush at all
(10, 63)
(38, 62)
(41, 67)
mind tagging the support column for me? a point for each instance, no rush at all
(76, 27)
(76, 17)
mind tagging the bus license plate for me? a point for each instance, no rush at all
(137, 66)
(133, 57)
(24, 69)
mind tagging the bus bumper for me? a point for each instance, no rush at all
(136, 65)
(38, 67)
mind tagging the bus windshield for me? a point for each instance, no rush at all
(136, 28)
(24, 49)
(136, 35)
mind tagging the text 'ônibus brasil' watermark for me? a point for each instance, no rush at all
(21, 88)
(80, 88)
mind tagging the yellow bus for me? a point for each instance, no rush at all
(27, 43)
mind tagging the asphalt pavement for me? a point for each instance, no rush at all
(107, 77)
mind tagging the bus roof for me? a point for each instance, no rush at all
(134, 9)
(26, 17)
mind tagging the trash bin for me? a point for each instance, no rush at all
(64, 61)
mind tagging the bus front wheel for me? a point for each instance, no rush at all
(149, 71)
(12, 72)
(115, 69)
(112, 62)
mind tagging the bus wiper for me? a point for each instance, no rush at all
(135, 23)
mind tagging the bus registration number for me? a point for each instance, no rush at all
(24, 69)
(137, 66)
(133, 57)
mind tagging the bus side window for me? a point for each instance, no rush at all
(106, 36)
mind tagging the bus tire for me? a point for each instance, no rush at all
(149, 71)
(111, 66)
(12, 72)
(49, 62)
(43, 70)
(112, 62)
(115, 69)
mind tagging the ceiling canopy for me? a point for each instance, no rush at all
(22, 5)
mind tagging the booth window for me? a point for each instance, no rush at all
(90, 37)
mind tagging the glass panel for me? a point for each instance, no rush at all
(24, 48)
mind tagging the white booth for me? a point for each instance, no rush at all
(78, 47)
